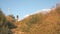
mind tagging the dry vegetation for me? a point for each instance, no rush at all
(38, 23)
(42, 24)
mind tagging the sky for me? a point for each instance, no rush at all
(25, 7)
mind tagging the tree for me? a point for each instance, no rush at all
(5, 25)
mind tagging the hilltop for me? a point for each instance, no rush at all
(41, 23)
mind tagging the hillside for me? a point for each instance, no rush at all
(41, 23)
(46, 21)
(6, 24)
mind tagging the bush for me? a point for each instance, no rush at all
(5, 25)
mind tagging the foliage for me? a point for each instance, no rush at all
(11, 25)
(13, 18)
(5, 25)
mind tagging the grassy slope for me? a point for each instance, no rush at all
(41, 24)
